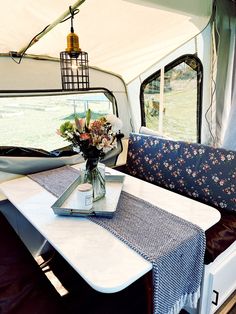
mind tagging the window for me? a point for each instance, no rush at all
(178, 117)
(32, 121)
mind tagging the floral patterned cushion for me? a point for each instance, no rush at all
(198, 171)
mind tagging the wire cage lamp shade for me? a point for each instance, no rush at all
(74, 70)
(74, 62)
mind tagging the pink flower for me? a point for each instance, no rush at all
(96, 125)
(84, 136)
(80, 124)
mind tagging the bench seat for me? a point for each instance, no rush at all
(203, 173)
(220, 236)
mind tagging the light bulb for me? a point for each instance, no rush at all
(74, 65)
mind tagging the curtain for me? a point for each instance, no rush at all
(229, 141)
(225, 34)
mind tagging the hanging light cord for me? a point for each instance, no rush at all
(13, 55)
(72, 14)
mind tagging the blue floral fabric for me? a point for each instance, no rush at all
(198, 171)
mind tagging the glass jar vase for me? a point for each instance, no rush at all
(95, 174)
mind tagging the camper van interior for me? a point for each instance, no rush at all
(118, 157)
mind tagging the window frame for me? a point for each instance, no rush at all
(58, 92)
(168, 67)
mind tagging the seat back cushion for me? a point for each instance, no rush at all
(198, 171)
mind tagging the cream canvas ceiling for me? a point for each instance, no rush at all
(121, 36)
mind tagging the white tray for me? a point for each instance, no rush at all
(105, 207)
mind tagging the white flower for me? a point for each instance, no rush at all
(76, 149)
(115, 122)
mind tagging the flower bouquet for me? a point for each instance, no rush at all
(93, 138)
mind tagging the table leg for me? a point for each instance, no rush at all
(148, 282)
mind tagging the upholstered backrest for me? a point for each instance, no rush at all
(198, 171)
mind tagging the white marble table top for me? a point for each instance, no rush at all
(107, 264)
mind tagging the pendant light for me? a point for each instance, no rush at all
(74, 63)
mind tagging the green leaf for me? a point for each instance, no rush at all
(66, 126)
(88, 117)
